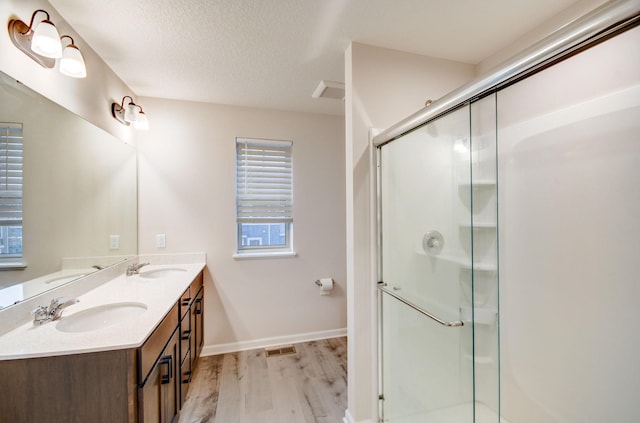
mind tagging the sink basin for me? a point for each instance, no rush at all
(100, 317)
(161, 273)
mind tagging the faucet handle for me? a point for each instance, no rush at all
(40, 315)
(39, 310)
(55, 303)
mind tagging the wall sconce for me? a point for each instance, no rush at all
(42, 43)
(130, 114)
(72, 62)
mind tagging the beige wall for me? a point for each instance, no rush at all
(187, 191)
(383, 87)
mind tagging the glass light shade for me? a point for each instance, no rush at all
(131, 113)
(72, 62)
(46, 40)
(142, 122)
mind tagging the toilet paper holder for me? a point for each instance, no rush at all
(326, 285)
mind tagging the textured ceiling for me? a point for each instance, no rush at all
(273, 53)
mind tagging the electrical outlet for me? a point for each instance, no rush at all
(114, 242)
(161, 240)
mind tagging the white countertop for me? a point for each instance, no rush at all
(159, 295)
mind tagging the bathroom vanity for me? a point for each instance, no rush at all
(86, 368)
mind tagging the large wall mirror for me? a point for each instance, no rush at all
(68, 198)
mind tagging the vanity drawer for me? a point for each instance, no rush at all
(153, 346)
(190, 294)
(185, 301)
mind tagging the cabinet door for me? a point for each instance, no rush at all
(171, 380)
(159, 394)
(197, 326)
(185, 378)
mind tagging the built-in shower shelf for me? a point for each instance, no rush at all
(480, 316)
(482, 267)
(479, 225)
(479, 359)
(478, 183)
(465, 263)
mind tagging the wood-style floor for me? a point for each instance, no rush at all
(247, 387)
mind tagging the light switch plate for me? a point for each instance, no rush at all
(161, 240)
(114, 242)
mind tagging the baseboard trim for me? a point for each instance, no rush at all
(272, 342)
(348, 418)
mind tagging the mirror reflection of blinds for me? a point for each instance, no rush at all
(11, 155)
(264, 181)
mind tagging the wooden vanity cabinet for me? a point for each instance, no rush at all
(191, 339)
(198, 323)
(164, 381)
(146, 384)
(91, 387)
(158, 379)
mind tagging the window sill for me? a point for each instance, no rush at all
(13, 265)
(264, 255)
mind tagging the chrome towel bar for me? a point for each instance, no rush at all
(383, 288)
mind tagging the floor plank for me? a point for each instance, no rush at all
(309, 386)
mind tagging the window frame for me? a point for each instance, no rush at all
(276, 210)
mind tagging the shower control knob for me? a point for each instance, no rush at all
(433, 242)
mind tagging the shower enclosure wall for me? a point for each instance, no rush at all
(509, 228)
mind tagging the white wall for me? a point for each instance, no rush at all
(187, 191)
(90, 98)
(569, 203)
(382, 87)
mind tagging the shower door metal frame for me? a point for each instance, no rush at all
(605, 21)
(381, 288)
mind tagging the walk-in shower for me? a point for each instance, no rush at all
(508, 224)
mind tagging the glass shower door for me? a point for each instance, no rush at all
(426, 303)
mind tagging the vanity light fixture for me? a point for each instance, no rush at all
(43, 44)
(72, 62)
(130, 114)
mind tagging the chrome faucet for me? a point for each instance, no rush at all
(44, 314)
(134, 268)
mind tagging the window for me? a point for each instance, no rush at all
(264, 195)
(10, 191)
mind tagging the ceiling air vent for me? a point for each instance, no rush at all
(329, 89)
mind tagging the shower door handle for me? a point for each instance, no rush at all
(383, 287)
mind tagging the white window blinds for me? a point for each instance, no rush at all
(10, 174)
(264, 181)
